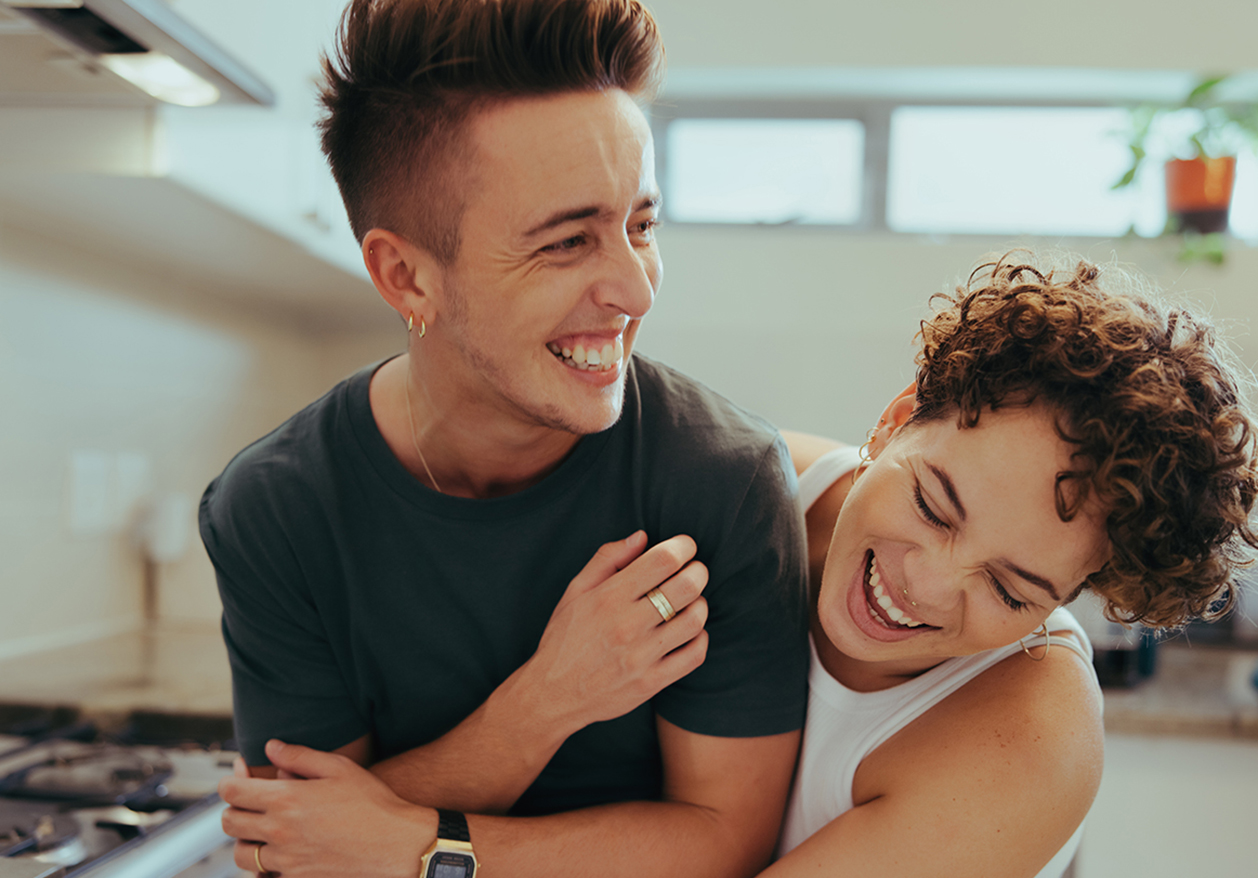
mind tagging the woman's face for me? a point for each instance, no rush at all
(950, 543)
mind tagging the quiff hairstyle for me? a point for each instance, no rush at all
(1149, 400)
(405, 77)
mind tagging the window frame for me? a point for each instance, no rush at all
(872, 112)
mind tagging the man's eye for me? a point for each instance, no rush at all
(565, 245)
(647, 227)
(927, 512)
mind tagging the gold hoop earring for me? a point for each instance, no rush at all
(863, 455)
(410, 323)
(1042, 631)
(423, 328)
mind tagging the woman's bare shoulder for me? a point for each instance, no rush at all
(992, 780)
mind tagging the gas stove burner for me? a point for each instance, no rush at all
(100, 775)
(30, 828)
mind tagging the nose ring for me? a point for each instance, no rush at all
(906, 596)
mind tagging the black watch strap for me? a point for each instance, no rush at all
(452, 825)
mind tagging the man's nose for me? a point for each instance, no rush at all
(629, 278)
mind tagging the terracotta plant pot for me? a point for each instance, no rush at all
(1199, 192)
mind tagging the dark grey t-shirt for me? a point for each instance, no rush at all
(356, 601)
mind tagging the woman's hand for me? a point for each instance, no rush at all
(326, 817)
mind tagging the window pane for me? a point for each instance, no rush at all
(765, 170)
(1002, 170)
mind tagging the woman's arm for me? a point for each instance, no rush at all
(991, 781)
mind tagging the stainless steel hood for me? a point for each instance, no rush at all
(66, 52)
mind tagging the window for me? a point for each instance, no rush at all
(1013, 170)
(774, 171)
(888, 163)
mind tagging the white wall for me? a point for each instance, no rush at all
(1211, 35)
(112, 357)
(813, 329)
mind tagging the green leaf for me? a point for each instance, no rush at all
(1202, 90)
(1126, 180)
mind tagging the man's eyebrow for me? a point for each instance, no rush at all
(950, 489)
(1033, 578)
(561, 217)
(579, 213)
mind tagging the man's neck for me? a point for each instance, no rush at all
(461, 450)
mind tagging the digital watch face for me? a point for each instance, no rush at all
(445, 864)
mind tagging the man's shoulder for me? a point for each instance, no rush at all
(291, 461)
(696, 420)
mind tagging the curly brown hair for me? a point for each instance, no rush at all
(1148, 396)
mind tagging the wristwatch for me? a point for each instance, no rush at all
(450, 856)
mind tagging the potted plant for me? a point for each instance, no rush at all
(1203, 135)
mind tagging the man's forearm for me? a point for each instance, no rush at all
(487, 761)
(629, 839)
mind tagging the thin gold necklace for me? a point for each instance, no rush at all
(410, 419)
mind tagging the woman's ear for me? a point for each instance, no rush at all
(893, 418)
(407, 277)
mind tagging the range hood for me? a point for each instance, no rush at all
(114, 53)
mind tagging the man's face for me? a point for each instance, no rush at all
(558, 262)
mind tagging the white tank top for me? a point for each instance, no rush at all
(844, 726)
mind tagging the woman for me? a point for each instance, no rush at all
(1059, 437)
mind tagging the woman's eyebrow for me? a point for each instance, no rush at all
(1032, 578)
(948, 488)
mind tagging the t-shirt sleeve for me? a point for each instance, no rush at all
(286, 682)
(754, 680)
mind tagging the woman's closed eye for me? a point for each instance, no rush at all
(1012, 602)
(935, 521)
(927, 512)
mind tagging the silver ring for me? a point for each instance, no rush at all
(661, 604)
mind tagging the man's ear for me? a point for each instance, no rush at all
(407, 277)
(894, 416)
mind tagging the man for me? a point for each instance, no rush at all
(411, 568)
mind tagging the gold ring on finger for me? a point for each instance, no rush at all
(661, 603)
(257, 858)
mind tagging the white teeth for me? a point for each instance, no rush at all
(883, 600)
(594, 359)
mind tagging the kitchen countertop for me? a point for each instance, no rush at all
(1196, 691)
(181, 668)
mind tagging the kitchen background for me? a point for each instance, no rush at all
(174, 282)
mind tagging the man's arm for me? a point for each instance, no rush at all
(605, 651)
(723, 804)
